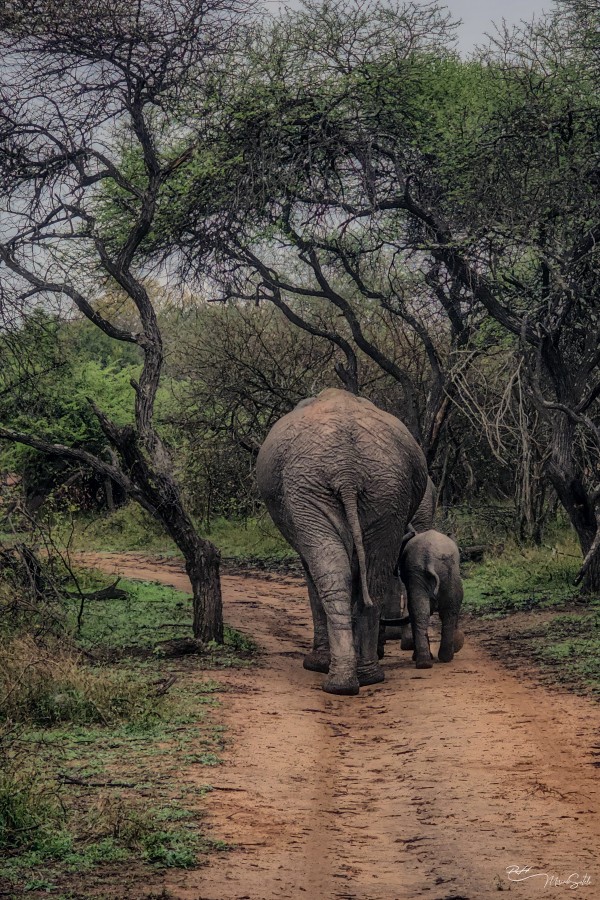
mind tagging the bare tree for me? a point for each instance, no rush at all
(87, 102)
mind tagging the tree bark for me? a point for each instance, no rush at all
(569, 486)
(203, 572)
(202, 564)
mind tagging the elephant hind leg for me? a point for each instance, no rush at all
(319, 657)
(333, 587)
(369, 670)
(449, 608)
(452, 637)
(459, 639)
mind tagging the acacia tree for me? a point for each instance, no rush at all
(325, 91)
(89, 96)
(372, 158)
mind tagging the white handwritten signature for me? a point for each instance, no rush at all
(572, 881)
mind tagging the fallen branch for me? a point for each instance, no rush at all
(63, 778)
(163, 685)
(112, 592)
(472, 554)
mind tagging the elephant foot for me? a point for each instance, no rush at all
(372, 674)
(407, 642)
(424, 662)
(447, 649)
(342, 688)
(317, 661)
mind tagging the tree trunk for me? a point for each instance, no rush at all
(203, 572)
(157, 491)
(108, 495)
(591, 579)
(569, 485)
(202, 563)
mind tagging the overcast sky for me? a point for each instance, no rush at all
(477, 16)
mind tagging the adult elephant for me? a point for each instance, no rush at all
(341, 480)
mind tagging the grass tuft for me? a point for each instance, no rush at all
(45, 685)
(29, 809)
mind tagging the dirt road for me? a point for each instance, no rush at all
(430, 785)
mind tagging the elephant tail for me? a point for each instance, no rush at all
(350, 505)
(435, 579)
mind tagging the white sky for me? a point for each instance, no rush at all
(477, 17)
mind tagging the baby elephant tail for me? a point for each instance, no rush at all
(434, 581)
(350, 505)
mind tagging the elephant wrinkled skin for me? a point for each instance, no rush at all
(430, 569)
(341, 479)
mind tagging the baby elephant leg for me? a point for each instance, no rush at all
(452, 636)
(419, 608)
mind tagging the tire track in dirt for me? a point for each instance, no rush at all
(429, 785)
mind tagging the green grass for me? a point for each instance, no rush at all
(149, 614)
(45, 683)
(564, 647)
(568, 648)
(143, 802)
(130, 528)
(121, 787)
(522, 579)
(255, 539)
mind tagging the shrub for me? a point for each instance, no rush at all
(29, 806)
(45, 685)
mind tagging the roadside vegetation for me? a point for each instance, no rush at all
(130, 529)
(533, 616)
(107, 745)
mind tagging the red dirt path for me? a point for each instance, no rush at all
(429, 785)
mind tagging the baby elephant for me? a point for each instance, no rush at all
(429, 566)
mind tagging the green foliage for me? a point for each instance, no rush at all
(256, 538)
(131, 528)
(175, 848)
(522, 579)
(30, 812)
(67, 364)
